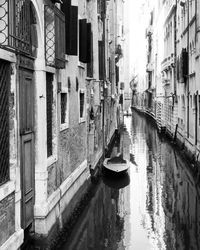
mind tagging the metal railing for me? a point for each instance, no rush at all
(15, 25)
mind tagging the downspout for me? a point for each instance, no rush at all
(175, 50)
(188, 76)
(175, 68)
(104, 77)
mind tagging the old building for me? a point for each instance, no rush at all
(57, 108)
(188, 72)
(168, 67)
(172, 94)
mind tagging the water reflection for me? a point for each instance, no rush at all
(116, 182)
(154, 206)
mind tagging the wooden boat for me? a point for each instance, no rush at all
(116, 164)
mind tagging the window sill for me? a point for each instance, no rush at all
(64, 126)
(81, 120)
(50, 69)
(66, 58)
(51, 160)
(81, 65)
(6, 189)
(88, 78)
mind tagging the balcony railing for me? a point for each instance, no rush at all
(54, 37)
(16, 19)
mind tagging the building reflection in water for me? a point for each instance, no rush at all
(155, 206)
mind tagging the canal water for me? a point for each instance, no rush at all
(156, 205)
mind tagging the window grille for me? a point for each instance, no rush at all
(16, 18)
(49, 110)
(54, 37)
(4, 121)
(81, 105)
(63, 104)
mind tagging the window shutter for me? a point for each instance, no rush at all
(74, 31)
(89, 42)
(83, 40)
(66, 9)
(100, 60)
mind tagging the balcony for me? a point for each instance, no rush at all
(17, 20)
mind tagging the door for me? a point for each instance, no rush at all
(26, 112)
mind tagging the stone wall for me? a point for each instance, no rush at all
(7, 217)
(71, 153)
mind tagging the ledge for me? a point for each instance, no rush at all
(7, 55)
(6, 189)
(81, 65)
(14, 242)
(42, 210)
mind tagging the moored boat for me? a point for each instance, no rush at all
(116, 164)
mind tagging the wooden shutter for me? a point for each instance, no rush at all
(66, 9)
(83, 40)
(89, 42)
(74, 31)
(100, 43)
(90, 63)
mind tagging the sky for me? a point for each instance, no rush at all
(136, 25)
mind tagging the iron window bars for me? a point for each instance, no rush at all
(16, 18)
(4, 121)
(54, 37)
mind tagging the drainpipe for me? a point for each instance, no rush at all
(175, 68)
(104, 77)
(175, 49)
(188, 78)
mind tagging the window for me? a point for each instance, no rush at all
(4, 121)
(90, 51)
(81, 106)
(49, 111)
(71, 27)
(64, 109)
(101, 60)
(54, 39)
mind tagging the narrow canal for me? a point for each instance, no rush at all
(156, 205)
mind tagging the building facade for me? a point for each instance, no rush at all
(57, 109)
(172, 95)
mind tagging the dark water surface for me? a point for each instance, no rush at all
(155, 205)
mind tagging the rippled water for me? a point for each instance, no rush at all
(154, 206)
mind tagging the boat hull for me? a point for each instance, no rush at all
(115, 167)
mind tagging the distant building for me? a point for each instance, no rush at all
(57, 109)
